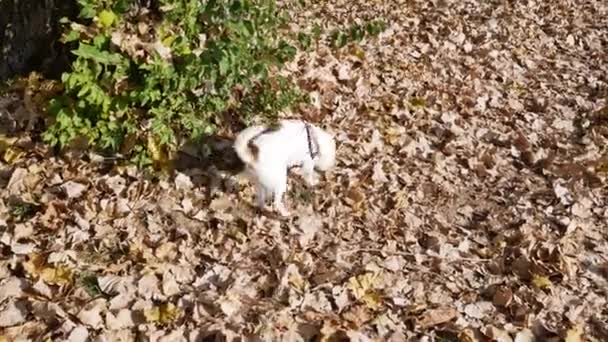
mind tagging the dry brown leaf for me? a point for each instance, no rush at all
(467, 335)
(502, 296)
(435, 317)
(12, 313)
(479, 310)
(73, 189)
(91, 314)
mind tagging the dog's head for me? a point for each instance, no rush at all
(327, 150)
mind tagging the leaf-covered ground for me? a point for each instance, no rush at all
(469, 201)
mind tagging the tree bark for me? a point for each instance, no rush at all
(29, 32)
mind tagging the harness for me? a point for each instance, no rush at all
(313, 146)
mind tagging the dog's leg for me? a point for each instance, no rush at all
(278, 196)
(260, 195)
(308, 171)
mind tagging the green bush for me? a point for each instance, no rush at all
(146, 78)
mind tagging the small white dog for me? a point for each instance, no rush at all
(268, 153)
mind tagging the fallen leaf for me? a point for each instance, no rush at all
(123, 319)
(34, 265)
(435, 317)
(91, 314)
(502, 296)
(116, 183)
(525, 335)
(78, 334)
(308, 227)
(165, 313)
(148, 286)
(542, 282)
(73, 189)
(479, 310)
(375, 144)
(183, 182)
(12, 288)
(59, 275)
(496, 334)
(363, 289)
(13, 154)
(16, 182)
(467, 335)
(574, 334)
(12, 313)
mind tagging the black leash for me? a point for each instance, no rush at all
(312, 152)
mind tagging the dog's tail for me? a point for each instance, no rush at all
(245, 147)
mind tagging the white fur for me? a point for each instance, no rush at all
(277, 151)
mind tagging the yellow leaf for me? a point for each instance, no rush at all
(3, 338)
(164, 314)
(155, 150)
(372, 299)
(12, 154)
(358, 52)
(363, 289)
(168, 313)
(360, 284)
(574, 334)
(152, 315)
(393, 135)
(237, 235)
(34, 265)
(106, 18)
(167, 41)
(56, 275)
(542, 282)
(6, 142)
(296, 281)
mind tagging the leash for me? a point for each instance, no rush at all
(311, 142)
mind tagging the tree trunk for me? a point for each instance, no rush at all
(29, 32)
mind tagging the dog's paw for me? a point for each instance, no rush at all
(283, 211)
(312, 181)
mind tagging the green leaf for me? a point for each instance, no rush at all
(224, 65)
(71, 36)
(87, 13)
(91, 52)
(224, 55)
